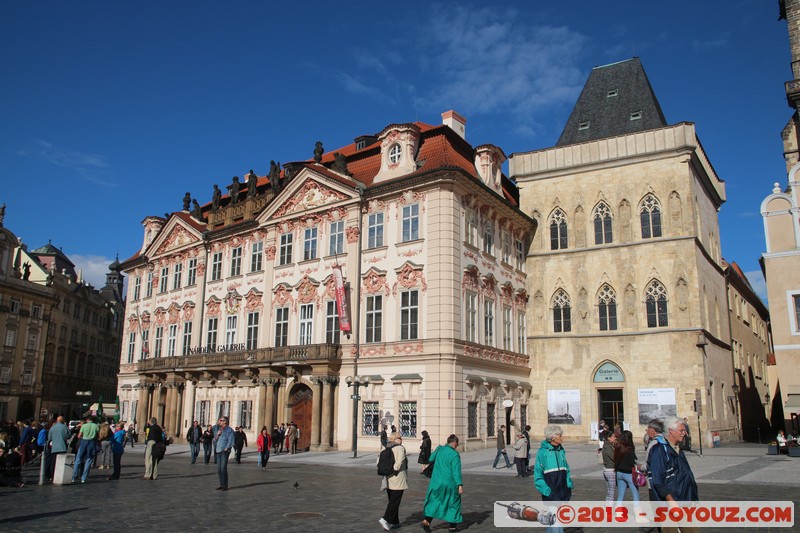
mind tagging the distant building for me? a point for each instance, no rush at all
(628, 318)
(60, 335)
(234, 308)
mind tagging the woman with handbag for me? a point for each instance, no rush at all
(624, 463)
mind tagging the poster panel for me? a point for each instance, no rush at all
(656, 403)
(564, 406)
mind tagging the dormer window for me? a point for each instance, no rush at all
(583, 125)
(395, 153)
(612, 93)
(360, 145)
(636, 115)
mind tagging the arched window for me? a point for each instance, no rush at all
(603, 233)
(562, 321)
(558, 230)
(607, 306)
(650, 214)
(656, 305)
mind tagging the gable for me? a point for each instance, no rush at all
(174, 235)
(307, 192)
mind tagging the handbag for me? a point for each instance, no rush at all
(428, 470)
(639, 479)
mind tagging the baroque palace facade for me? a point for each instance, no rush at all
(235, 307)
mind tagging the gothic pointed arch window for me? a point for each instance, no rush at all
(656, 305)
(562, 314)
(558, 230)
(607, 308)
(603, 231)
(650, 215)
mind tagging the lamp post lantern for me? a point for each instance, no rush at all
(356, 382)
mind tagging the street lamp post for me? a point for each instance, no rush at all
(356, 382)
(735, 389)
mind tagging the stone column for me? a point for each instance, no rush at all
(141, 407)
(281, 410)
(269, 403)
(327, 411)
(190, 395)
(171, 412)
(316, 384)
(261, 407)
(180, 396)
(164, 420)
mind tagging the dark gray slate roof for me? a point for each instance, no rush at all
(600, 113)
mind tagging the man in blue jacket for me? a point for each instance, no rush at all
(223, 442)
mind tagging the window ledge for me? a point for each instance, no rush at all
(309, 261)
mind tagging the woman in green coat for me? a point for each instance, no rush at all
(443, 499)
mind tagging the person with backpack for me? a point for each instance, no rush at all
(670, 474)
(393, 465)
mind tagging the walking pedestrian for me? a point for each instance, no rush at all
(282, 438)
(551, 475)
(624, 462)
(194, 437)
(609, 474)
(501, 448)
(264, 443)
(153, 434)
(654, 435)
(130, 435)
(424, 449)
(384, 437)
(86, 450)
(276, 438)
(395, 483)
(208, 439)
(239, 442)
(527, 435)
(117, 449)
(443, 499)
(104, 436)
(223, 443)
(290, 432)
(520, 454)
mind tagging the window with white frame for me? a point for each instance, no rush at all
(187, 338)
(246, 414)
(310, 244)
(177, 276)
(252, 330)
(395, 153)
(211, 335)
(332, 333)
(522, 336)
(374, 316)
(281, 326)
(795, 310)
(410, 222)
(519, 252)
(488, 238)
(137, 287)
(488, 322)
(375, 230)
(27, 377)
(202, 413)
(408, 419)
(230, 330)
(224, 409)
(507, 338)
(162, 282)
(370, 418)
(409, 315)
(36, 311)
(471, 228)
(5, 375)
(172, 339)
(16, 305)
(216, 266)
(131, 346)
(159, 341)
(506, 247)
(236, 261)
(306, 323)
(471, 312)
(256, 256)
(285, 249)
(336, 240)
(148, 289)
(191, 272)
(32, 340)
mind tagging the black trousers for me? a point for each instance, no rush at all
(392, 512)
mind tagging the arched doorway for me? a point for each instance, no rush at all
(301, 403)
(609, 383)
(25, 410)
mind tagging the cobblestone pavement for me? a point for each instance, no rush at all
(334, 493)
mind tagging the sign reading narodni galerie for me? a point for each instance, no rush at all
(564, 406)
(608, 372)
(656, 404)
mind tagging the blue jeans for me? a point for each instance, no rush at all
(623, 482)
(85, 456)
(497, 458)
(207, 451)
(222, 467)
(194, 449)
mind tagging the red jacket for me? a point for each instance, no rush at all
(261, 444)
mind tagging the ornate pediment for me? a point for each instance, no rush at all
(177, 238)
(310, 195)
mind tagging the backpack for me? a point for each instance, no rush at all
(386, 463)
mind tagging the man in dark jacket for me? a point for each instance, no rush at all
(154, 435)
(671, 475)
(239, 442)
(501, 448)
(194, 437)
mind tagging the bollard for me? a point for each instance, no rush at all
(64, 465)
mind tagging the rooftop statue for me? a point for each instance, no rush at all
(234, 188)
(187, 199)
(215, 198)
(318, 151)
(252, 182)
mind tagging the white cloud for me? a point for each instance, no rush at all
(94, 268)
(756, 279)
(90, 167)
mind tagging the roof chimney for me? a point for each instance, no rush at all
(455, 122)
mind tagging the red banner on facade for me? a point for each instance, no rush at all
(341, 300)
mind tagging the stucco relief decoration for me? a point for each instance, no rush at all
(282, 296)
(133, 323)
(470, 280)
(307, 291)
(410, 276)
(375, 206)
(521, 299)
(145, 322)
(412, 197)
(201, 268)
(408, 349)
(179, 236)
(506, 292)
(471, 255)
(253, 300)
(352, 234)
(330, 288)
(188, 311)
(311, 195)
(213, 305)
(161, 316)
(375, 282)
(174, 314)
(370, 350)
(489, 283)
(232, 302)
(155, 281)
(410, 253)
(495, 354)
(271, 251)
(468, 200)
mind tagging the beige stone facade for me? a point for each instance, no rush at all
(632, 320)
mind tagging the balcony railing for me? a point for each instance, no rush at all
(286, 354)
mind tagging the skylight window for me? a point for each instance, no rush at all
(636, 115)
(612, 93)
(583, 125)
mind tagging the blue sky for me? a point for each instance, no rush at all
(111, 111)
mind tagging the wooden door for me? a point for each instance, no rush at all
(302, 402)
